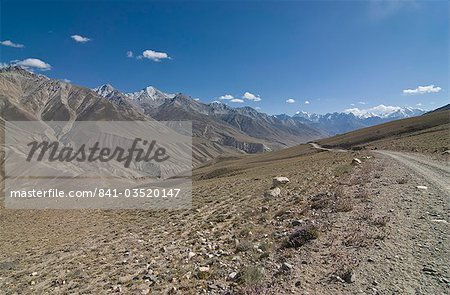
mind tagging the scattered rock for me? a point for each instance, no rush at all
(275, 192)
(447, 152)
(356, 161)
(348, 277)
(233, 276)
(191, 254)
(286, 266)
(34, 274)
(279, 181)
(421, 187)
(296, 222)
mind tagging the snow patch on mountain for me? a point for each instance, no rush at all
(149, 93)
(383, 111)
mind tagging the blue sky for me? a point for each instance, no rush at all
(335, 55)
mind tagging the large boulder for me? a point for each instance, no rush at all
(279, 181)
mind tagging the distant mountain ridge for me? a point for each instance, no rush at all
(352, 119)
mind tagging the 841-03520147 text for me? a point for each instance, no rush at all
(98, 193)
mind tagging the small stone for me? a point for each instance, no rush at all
(34, 274)
(286, 266)
(191, 255)
(232, 276)
(212, 287)
(356, 161)
(275, 192)
(349, 277)
(296, 222)
(421, 187)
(145, 291)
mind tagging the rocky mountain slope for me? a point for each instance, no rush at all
(243, 128)
(217, 129)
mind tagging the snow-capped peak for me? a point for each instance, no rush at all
(383, 111)
(149, 93)
(104, 90)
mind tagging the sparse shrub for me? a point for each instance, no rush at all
(245, 232)
(251, 276)
(344, 205)
(244, 246)
(342, 169)
(301, 236)
(381, 220)
(320, 201)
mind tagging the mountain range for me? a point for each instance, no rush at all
(352, 119)
(217, 128)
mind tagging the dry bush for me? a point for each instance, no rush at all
(244, 246)
(301, 237)
(342, 169)
(344, 205)
(380, 220)
(251, 276)
(320, 201)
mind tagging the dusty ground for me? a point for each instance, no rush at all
(375, 233)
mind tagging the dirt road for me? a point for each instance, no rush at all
(436, 173)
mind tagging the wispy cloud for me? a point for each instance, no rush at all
(307, 102)
(226, 97)
(290, 100)
(130, 54)
(9, 43)
(33, 63)
(66, 80)
(154, 55)
(383, 9)
(251, 96)
(422, 90)
(80, 39)
(257, 108)
(237, 100)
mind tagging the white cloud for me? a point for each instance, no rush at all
(257, 108)
(290, 100)
(33, 63)
(9, 43)
(130, 54)
(226, 97)
(80, 39)
(237, 100)
(307, 102)
(154, 55)
(362, 102)
(251, 96)
(422, 90)
(66, 80)
(196, 99)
